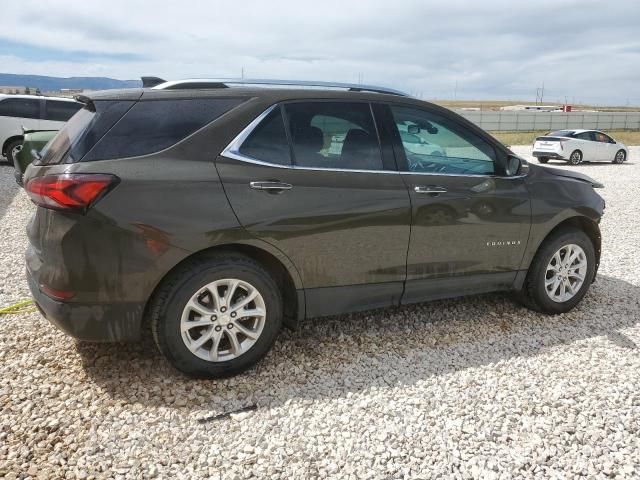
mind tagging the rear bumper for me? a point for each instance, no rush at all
(539, 154)
(90, 322)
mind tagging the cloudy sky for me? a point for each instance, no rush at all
(586, 51)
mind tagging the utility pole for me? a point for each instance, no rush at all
(242, 73)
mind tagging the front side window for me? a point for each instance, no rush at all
(20, 107)
(602, 138)
(334, 135)
(60, 111)
(434, 144)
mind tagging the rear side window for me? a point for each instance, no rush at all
(151, 126)
(268, 141)
(586, 136)
(20, 107)
(334, 135)
(59, 111)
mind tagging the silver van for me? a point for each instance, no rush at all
(33, 113)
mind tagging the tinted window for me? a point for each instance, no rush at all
(268, 141)
(82, 131)
(334, 135)
(20, 107)
(60, 111)
(151, 126)
(436, 144)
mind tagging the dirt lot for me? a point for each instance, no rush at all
(470, 388)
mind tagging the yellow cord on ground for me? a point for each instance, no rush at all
(23, 306)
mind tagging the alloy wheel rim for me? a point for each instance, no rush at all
(620, 156)
(223, 320)
(575, 157)
(566, 273)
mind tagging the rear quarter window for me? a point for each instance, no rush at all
(154, 125)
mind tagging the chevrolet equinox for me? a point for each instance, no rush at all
(218, 212)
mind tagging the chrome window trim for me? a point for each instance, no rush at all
(233, 151)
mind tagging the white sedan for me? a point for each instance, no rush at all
(576, 146)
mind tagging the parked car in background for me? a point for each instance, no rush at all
(576, 146)
(33, 113)
(32, 146)
(218, 215)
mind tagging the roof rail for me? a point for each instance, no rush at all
(202, 83)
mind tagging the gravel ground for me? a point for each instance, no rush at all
(468, 388)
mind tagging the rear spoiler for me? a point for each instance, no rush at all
(148, 82)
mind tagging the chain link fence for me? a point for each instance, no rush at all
(522, 121)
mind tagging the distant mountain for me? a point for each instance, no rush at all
(48, 84)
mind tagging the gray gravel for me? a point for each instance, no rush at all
(470, 388)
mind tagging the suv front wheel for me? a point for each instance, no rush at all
(217, 316)
(560, 273)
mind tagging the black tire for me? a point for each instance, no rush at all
(533, 294)
(620, 157)
(543, 159)
(169, 301)
(10, 151)
(575, 158)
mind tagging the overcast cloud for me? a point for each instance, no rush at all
(587, 51)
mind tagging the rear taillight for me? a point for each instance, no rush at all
(70, 192)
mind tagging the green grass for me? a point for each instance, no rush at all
(526, 138)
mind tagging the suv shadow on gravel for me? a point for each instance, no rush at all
(383, 348)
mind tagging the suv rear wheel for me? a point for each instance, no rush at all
(560, 273)
(543, 159)
(217, 316)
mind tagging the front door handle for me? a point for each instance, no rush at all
(271, 186)
(429, 189)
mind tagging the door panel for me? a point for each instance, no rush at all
(467, 219)
(337, 227)
(479, 224)
(291, 180)
(587, 144)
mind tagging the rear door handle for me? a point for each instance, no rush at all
(432, 189)
(271, 186)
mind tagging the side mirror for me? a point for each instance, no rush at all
(516, 166)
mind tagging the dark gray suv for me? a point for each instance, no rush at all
(219, 213)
